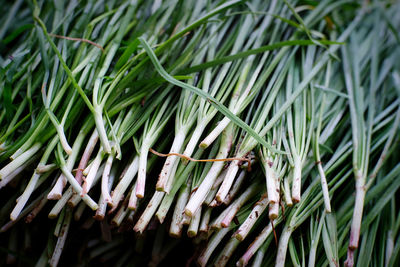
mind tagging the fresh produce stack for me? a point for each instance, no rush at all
(200, 132)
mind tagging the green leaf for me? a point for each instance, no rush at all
(7, 100)
(255, 51)
(325, 148)
(127, 53)
(16, 33)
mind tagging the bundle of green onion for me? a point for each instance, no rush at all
(267, 131)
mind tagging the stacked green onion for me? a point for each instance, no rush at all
(251, 132)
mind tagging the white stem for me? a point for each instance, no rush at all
(148, 212)
(271, 182)
(235, 188)
(255, 213)
(172, 178)
(86, 156)
(215, 133)
(204, 223)
(87, 185)
(120, 216)
(41, 168)
(227, 252)
(358, 212)
(78, 189)
(238, 203)
(185, 219)
(13, 174)
(216, 223)
(141, 179)
(325, 190)
(98, 118)
(212, 244)
(273, 211)
(211, 194)
(86, 171)
(57, 189)
(75, 199)
(132, 205)
(125, 181)
(194, 224)
(194, 139)
(296, 186)
(60, 203)
(101, 211)
(105, 190)
(25, 196)
(282, 248)
(176, 225)
(164, 207)
(227, 183)
(287, 196)
(19, 161)
(200, 195)
(63, 140)
(257, 243)
(166, 171)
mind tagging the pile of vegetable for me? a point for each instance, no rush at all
(200, 132)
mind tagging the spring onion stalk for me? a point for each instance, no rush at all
(235, 188)
(58, 207)
(17, 171)
(258, 260)
(144, 220)
(13, 165)
(237, 204)
(152, 131)
(194, 224)
(227, 252)
(79, 211)
(273, 168)
(200, 195)
(315, 233)
(61, 239)
(87, 184)
(56, 191)
(32, 183)
(182, 174)
(317, 156)
(121, 213)
(361, 136)
(212, 244)
(329, 238)
(75, 199)
(175, 229)
(299, 139)
(260, 239)
(124, 181)
(101, 211)
(211, 194)
(255, 213)
(186, 114)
